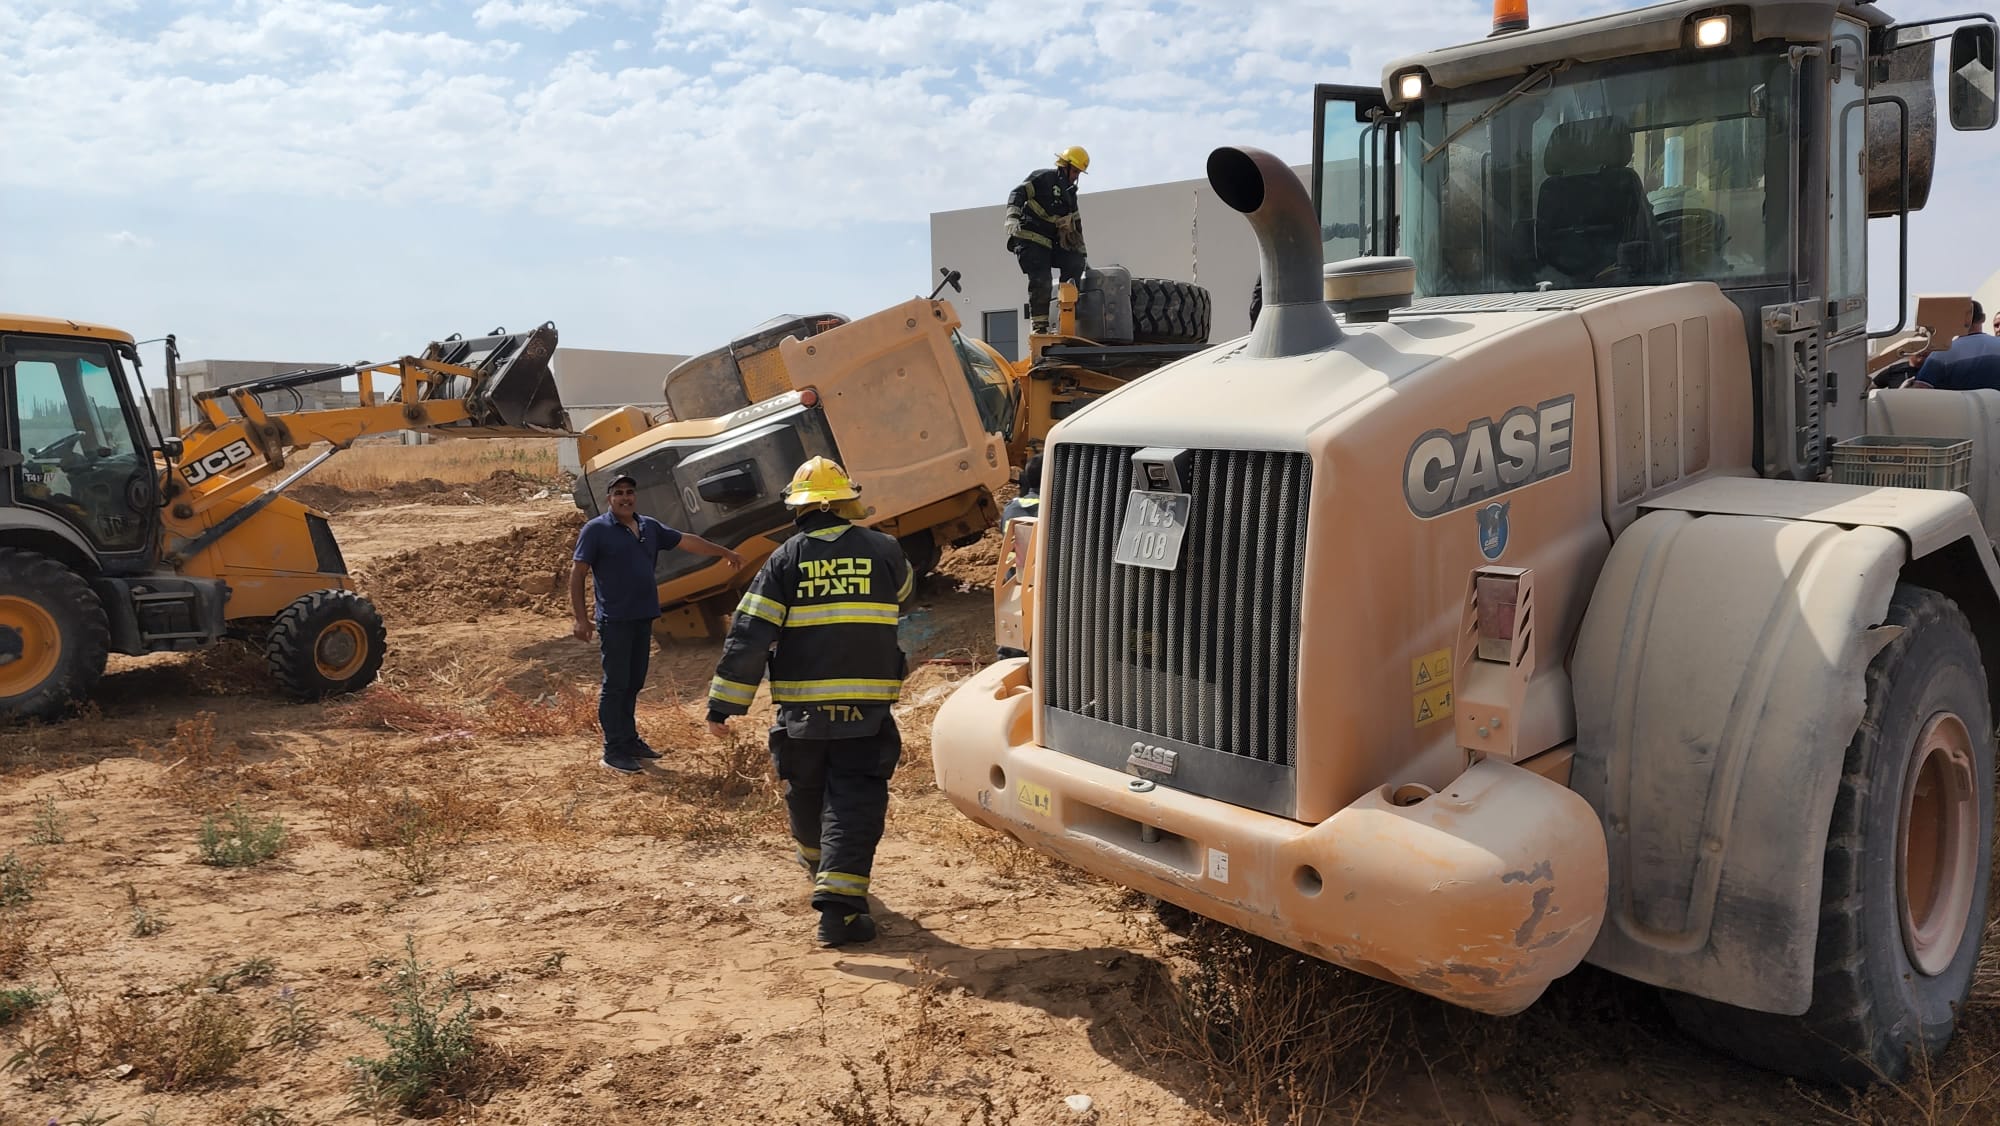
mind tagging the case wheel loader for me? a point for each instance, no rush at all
(1542, 581)
(113, 541)
(928, 421)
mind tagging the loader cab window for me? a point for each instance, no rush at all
(75, 437)
(992, 390)
(1632, 172)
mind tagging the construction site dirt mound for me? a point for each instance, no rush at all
(501, 486)
(972, 566)
(524, 569)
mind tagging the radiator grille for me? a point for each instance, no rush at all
(1206, 654)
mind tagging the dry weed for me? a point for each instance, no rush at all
(1010, 861)
(231, 667)
(928, 1039)
(198, 771)
(375, 467)
(1960, 1088)
(1283, 1037)
(564, 710)
(386, 708)
(189, 1039)
(17, 934)
(715, 792)
(83, 787)
(873, 1098)
(554, 820)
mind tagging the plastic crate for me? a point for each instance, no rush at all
(1903, 461)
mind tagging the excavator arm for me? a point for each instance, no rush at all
(494, 386)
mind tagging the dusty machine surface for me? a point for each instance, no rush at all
(928, 420)
(1543, 584)
(115, 540)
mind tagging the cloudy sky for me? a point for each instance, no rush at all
(296, 180)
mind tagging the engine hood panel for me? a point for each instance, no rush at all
(1222, 398)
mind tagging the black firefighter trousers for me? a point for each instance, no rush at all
(1036, 262)
(837, 798)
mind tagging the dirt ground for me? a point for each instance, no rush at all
(638, 950)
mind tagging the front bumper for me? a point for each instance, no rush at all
(1479, 895)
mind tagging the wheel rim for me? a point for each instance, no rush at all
(1937, 846)
(40, 645)
(340, 650)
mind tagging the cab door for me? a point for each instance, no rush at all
(81, 459)
(1355, 147)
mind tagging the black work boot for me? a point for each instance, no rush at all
(840, 927)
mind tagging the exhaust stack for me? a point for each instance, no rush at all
(1295, 320)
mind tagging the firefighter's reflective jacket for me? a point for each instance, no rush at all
(821, 615)
(1045, 206)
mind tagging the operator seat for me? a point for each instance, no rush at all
(1591, 213)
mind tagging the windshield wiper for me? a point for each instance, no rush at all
(1546, 70)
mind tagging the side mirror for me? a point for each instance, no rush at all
(1969, 84)
(11, 458)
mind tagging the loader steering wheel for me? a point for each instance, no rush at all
(58, 449)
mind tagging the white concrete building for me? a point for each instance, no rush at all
(1178, 230)
(594, 381)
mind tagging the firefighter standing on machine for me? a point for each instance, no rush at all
(1045, 229)
(822, 615)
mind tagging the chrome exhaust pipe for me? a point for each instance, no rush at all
(1295, 320)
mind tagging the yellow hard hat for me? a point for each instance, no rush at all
(820, 480)
(1075, 157)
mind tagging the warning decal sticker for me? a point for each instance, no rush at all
(1430, 670)
(1428, 707)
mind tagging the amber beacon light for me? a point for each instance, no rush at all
(1509, 15)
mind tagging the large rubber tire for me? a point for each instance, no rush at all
(53, 637)
(1165, 311)
(326, 643)
(923, 552)
(1927, 735)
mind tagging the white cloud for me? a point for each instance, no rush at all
(126, 240)
(548, 15)
(754, 115)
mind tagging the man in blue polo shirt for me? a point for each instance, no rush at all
(618, 547)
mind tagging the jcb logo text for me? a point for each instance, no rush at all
(228, 457)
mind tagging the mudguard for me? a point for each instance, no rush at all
(39, 531)
(1720, 674)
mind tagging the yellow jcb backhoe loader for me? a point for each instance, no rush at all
(928, 421)
(112, 541)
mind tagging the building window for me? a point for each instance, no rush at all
(1002, 332)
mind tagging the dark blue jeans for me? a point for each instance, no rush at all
(627, 648)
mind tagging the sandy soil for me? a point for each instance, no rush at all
(637, 950)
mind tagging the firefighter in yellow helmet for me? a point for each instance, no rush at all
(1045, 229)
(820, 619)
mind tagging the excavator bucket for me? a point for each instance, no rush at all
(519, 388)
